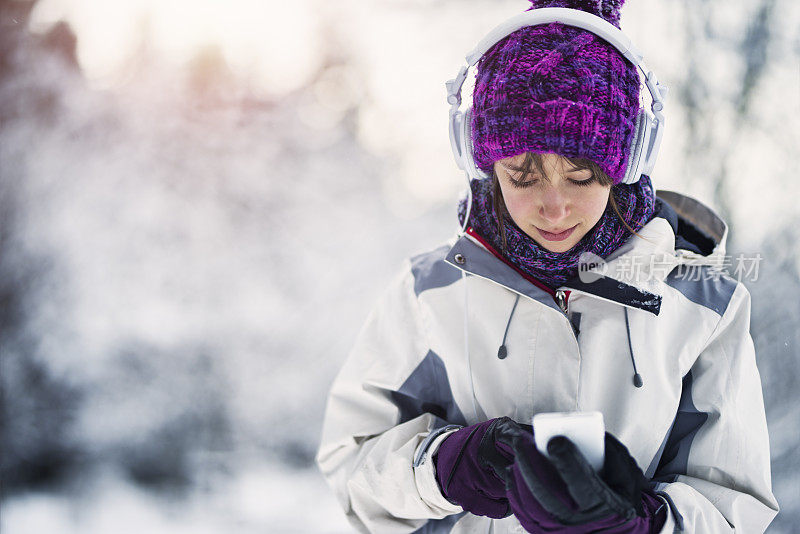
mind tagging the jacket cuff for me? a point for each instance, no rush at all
(425, 472)
(669, 526)
(674, 523)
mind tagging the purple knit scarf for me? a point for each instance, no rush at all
(636, 203)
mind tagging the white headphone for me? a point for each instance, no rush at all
(649, 128)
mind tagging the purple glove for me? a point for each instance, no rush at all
(470, 469)
(566, 495)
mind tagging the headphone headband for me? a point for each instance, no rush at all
(649, 129)
(571, 17)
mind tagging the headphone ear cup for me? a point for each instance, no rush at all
(467, 149)
(456, 118)
(466, 138)
(641, 136)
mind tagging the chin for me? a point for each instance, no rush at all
(562, 248)
(555, 247)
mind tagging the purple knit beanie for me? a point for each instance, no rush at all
(559, 89)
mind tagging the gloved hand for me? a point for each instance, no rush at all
(565, 494)
(470, 468)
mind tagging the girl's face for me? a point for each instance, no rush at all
(555, 210)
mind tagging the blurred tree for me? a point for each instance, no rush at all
(36, 407)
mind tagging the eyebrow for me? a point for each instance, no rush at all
(517, 169)
(507, 167)
(514, 168)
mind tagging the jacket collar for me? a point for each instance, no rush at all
(475, 257)
(633, 275)
(684, 232)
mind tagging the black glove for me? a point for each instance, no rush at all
(566, 491)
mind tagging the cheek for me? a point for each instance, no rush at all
(518, 204)
(521, 204)
(593, 206)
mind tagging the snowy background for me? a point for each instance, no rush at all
(200, 201)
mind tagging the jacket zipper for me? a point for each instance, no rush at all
(562, 299)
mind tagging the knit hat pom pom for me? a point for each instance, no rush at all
(608, 9)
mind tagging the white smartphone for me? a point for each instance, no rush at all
(585, 429)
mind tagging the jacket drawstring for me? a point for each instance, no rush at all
(502, 352)
(637, 378)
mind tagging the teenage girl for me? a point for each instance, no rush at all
(571, 286)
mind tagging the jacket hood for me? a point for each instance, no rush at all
(684, 232)
(697, 227)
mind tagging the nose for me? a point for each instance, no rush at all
(554, 207)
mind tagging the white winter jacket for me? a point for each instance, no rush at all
(427, 362)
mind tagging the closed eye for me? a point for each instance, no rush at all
(515, 177)
(519, 183)
(584, 183)
(580, 183)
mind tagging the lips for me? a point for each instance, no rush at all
(556, 236)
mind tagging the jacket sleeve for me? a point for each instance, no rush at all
(715, 469)
(385, 410)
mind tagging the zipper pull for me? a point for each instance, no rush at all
(561, 299)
